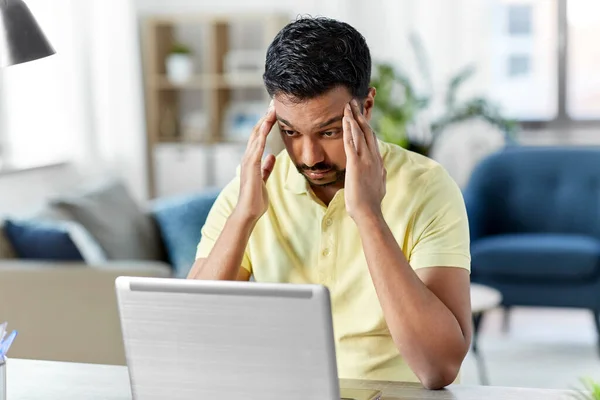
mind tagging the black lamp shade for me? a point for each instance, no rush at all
(21, 38)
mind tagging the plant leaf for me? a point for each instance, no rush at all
(422, 59)
(455, 84)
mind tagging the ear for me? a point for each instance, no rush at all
(368, 104)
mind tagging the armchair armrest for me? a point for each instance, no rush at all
(67, 311)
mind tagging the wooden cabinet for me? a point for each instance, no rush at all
(180, 161)
(181, 168)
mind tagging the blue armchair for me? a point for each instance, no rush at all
(534, 215)
(180, 220)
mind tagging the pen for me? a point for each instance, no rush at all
(5, 345)
(3, 331)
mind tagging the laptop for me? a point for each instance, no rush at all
(190, 339)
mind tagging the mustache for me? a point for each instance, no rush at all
(322, 166)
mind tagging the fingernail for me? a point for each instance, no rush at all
(354, 102)
(271, 107)
(348, 107)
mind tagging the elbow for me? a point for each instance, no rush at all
(440, 377)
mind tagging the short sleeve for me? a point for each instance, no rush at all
(216, 219)
(441, 226)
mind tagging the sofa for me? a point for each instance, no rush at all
(58, 266)
(534, 215)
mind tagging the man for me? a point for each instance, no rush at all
(383, 228)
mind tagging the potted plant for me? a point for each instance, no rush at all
(591, 390)
(179, 64)
(402, 115)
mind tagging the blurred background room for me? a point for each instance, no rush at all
(112, 150)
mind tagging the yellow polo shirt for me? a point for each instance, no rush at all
(299, 240)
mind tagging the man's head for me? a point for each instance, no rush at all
(314, 67)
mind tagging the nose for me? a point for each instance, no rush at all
(312, 152)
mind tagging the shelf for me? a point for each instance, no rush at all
(213, 81)
(213, 88)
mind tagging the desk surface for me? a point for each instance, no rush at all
(29, 380)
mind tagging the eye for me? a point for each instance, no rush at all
(288, 132)
(330, 134)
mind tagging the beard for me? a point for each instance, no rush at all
(340, 174)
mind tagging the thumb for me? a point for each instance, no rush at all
(267, 166)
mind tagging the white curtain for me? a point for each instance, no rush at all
(116, 79)
(42, 112)
(84, 104)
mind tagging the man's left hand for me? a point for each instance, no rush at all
(365, 173)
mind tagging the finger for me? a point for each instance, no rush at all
(267, 168)
(259, 142)
(269, 116)
(349, 145)
(364, 125)
(357, 134)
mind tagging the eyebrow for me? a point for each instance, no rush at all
(323, 125)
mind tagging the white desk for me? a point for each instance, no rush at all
(37, 380)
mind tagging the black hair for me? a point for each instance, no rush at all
(311, 56)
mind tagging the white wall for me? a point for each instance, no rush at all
(24, 192)
(381, 21)
(105, 106)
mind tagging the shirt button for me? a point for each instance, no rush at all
(328, 222)
(325, 252)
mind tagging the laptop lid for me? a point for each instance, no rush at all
(187, 339)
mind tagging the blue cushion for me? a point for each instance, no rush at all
(180, 220)
(536, 256)
(539, 189)
(39, 240)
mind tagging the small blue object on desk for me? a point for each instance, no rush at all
(5, 343)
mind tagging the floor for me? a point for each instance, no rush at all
(544, 348)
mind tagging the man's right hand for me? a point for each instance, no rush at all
(253, 200)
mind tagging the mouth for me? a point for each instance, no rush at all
(318, 175)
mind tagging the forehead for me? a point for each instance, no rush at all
(315, 111)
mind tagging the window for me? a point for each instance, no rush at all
(583, 59)
(39, 111)
(518, 65)
(524, 58)
(519, 19)
(544, 59)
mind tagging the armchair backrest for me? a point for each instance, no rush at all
(536, 190)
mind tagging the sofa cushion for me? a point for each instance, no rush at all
(180, 220)
(537, 256)
(114, 219)
(41, 241)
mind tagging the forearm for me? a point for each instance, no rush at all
(225, 259)
(426, 332)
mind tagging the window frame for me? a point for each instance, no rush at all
(562, 120)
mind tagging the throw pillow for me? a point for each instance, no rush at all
(115, 220)
(180, 220)
(41, 241)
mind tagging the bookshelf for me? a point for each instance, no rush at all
(209, 92)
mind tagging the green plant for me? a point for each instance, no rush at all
(180, 48)
(590, 391)
(400, 110)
